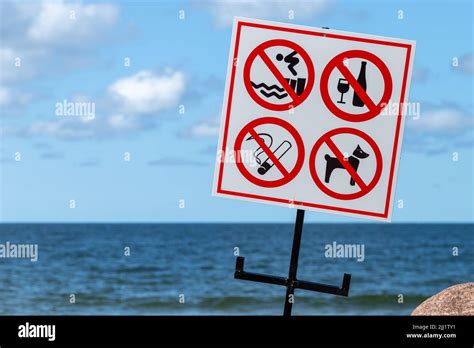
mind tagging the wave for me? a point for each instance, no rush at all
(313, 301)
(112, 303)
(274, 94)
(268, 88)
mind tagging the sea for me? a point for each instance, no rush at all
(188, 269)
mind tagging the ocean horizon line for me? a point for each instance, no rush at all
(232, 223)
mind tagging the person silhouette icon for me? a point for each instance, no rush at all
(291, 60)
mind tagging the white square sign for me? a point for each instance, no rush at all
(313, 118)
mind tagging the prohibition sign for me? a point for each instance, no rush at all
(364, 188)
(295, 99)
(287, 175)
(374, 109)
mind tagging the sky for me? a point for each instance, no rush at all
(155, 73)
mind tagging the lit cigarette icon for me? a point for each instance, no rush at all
(280, 151)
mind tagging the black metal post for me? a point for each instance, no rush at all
(295, 253)
(291, 282)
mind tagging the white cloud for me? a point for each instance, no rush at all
(7, 56)
(420, 74)
(77, 128)
(63, 129)
(123, 122)
(444, 119)
(175, 161)
(7, 130)
(5, 96)
(147, 92)
(225, 10)
(134, 99)
(21, 64)
(44, 36)
(38, 37)
(203, 129)
(48, 35)
(66, 23)
(7, 60)
(466, 64)
(12, 98)
(439, 130)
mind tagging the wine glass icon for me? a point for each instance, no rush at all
(342, 87)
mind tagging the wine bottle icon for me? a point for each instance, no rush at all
(356, 100)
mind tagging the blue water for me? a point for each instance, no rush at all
(197, 260)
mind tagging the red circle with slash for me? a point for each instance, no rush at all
(374, 109)
(287, 175)
(259, 51)
(326, 139)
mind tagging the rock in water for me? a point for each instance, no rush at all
(455, 300)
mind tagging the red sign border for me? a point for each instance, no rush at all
(324, 188)
(365, 116)
(220, 190)
(299, 144)
(309, 66)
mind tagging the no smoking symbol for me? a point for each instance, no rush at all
(374, 108)
(287, 174)
(364, 187)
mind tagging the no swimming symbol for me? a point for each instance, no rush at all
(297, 89)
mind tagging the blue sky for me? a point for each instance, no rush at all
(75, 51)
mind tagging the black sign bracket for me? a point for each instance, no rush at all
(291, 282)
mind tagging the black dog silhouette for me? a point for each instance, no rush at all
(333, 163)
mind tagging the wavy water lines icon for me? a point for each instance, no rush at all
(270, 89)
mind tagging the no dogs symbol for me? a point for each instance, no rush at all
(347, 172)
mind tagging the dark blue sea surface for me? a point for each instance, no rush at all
(197, 260)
